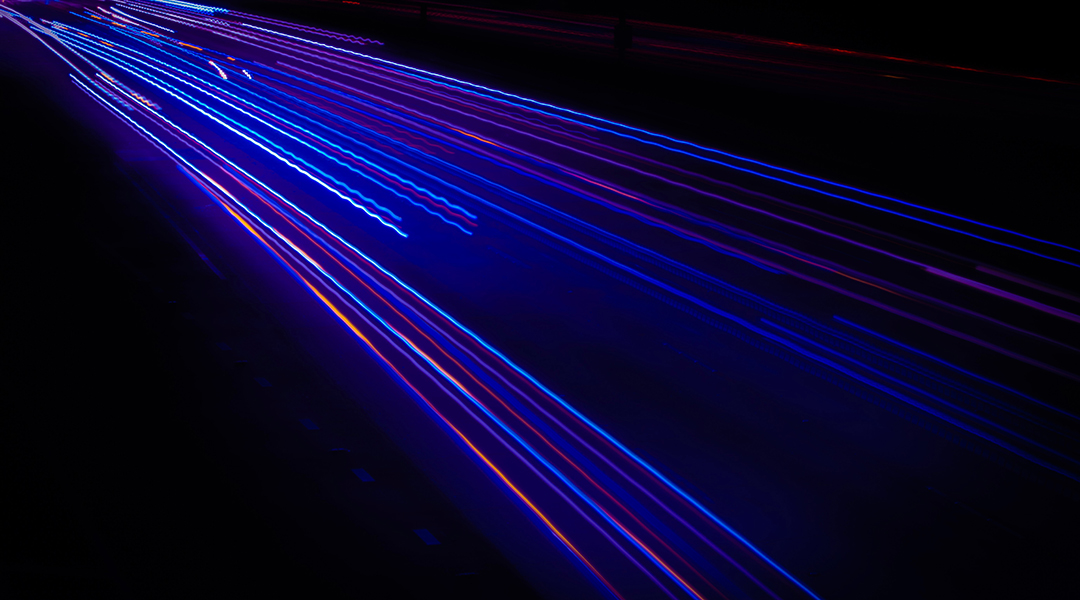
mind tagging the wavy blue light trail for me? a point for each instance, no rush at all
(371, 144)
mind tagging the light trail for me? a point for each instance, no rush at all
(369, 144)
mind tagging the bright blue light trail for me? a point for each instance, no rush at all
(317, 163)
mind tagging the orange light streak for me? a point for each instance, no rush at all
(352, 327)
(502, 402)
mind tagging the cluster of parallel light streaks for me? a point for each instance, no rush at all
(516, 131)
(665, 534)
(320, 137)
(389, 139)
(552, 131)
(540, 169)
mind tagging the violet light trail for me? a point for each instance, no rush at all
(325, 153)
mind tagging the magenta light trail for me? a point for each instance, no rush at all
(292, 153)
